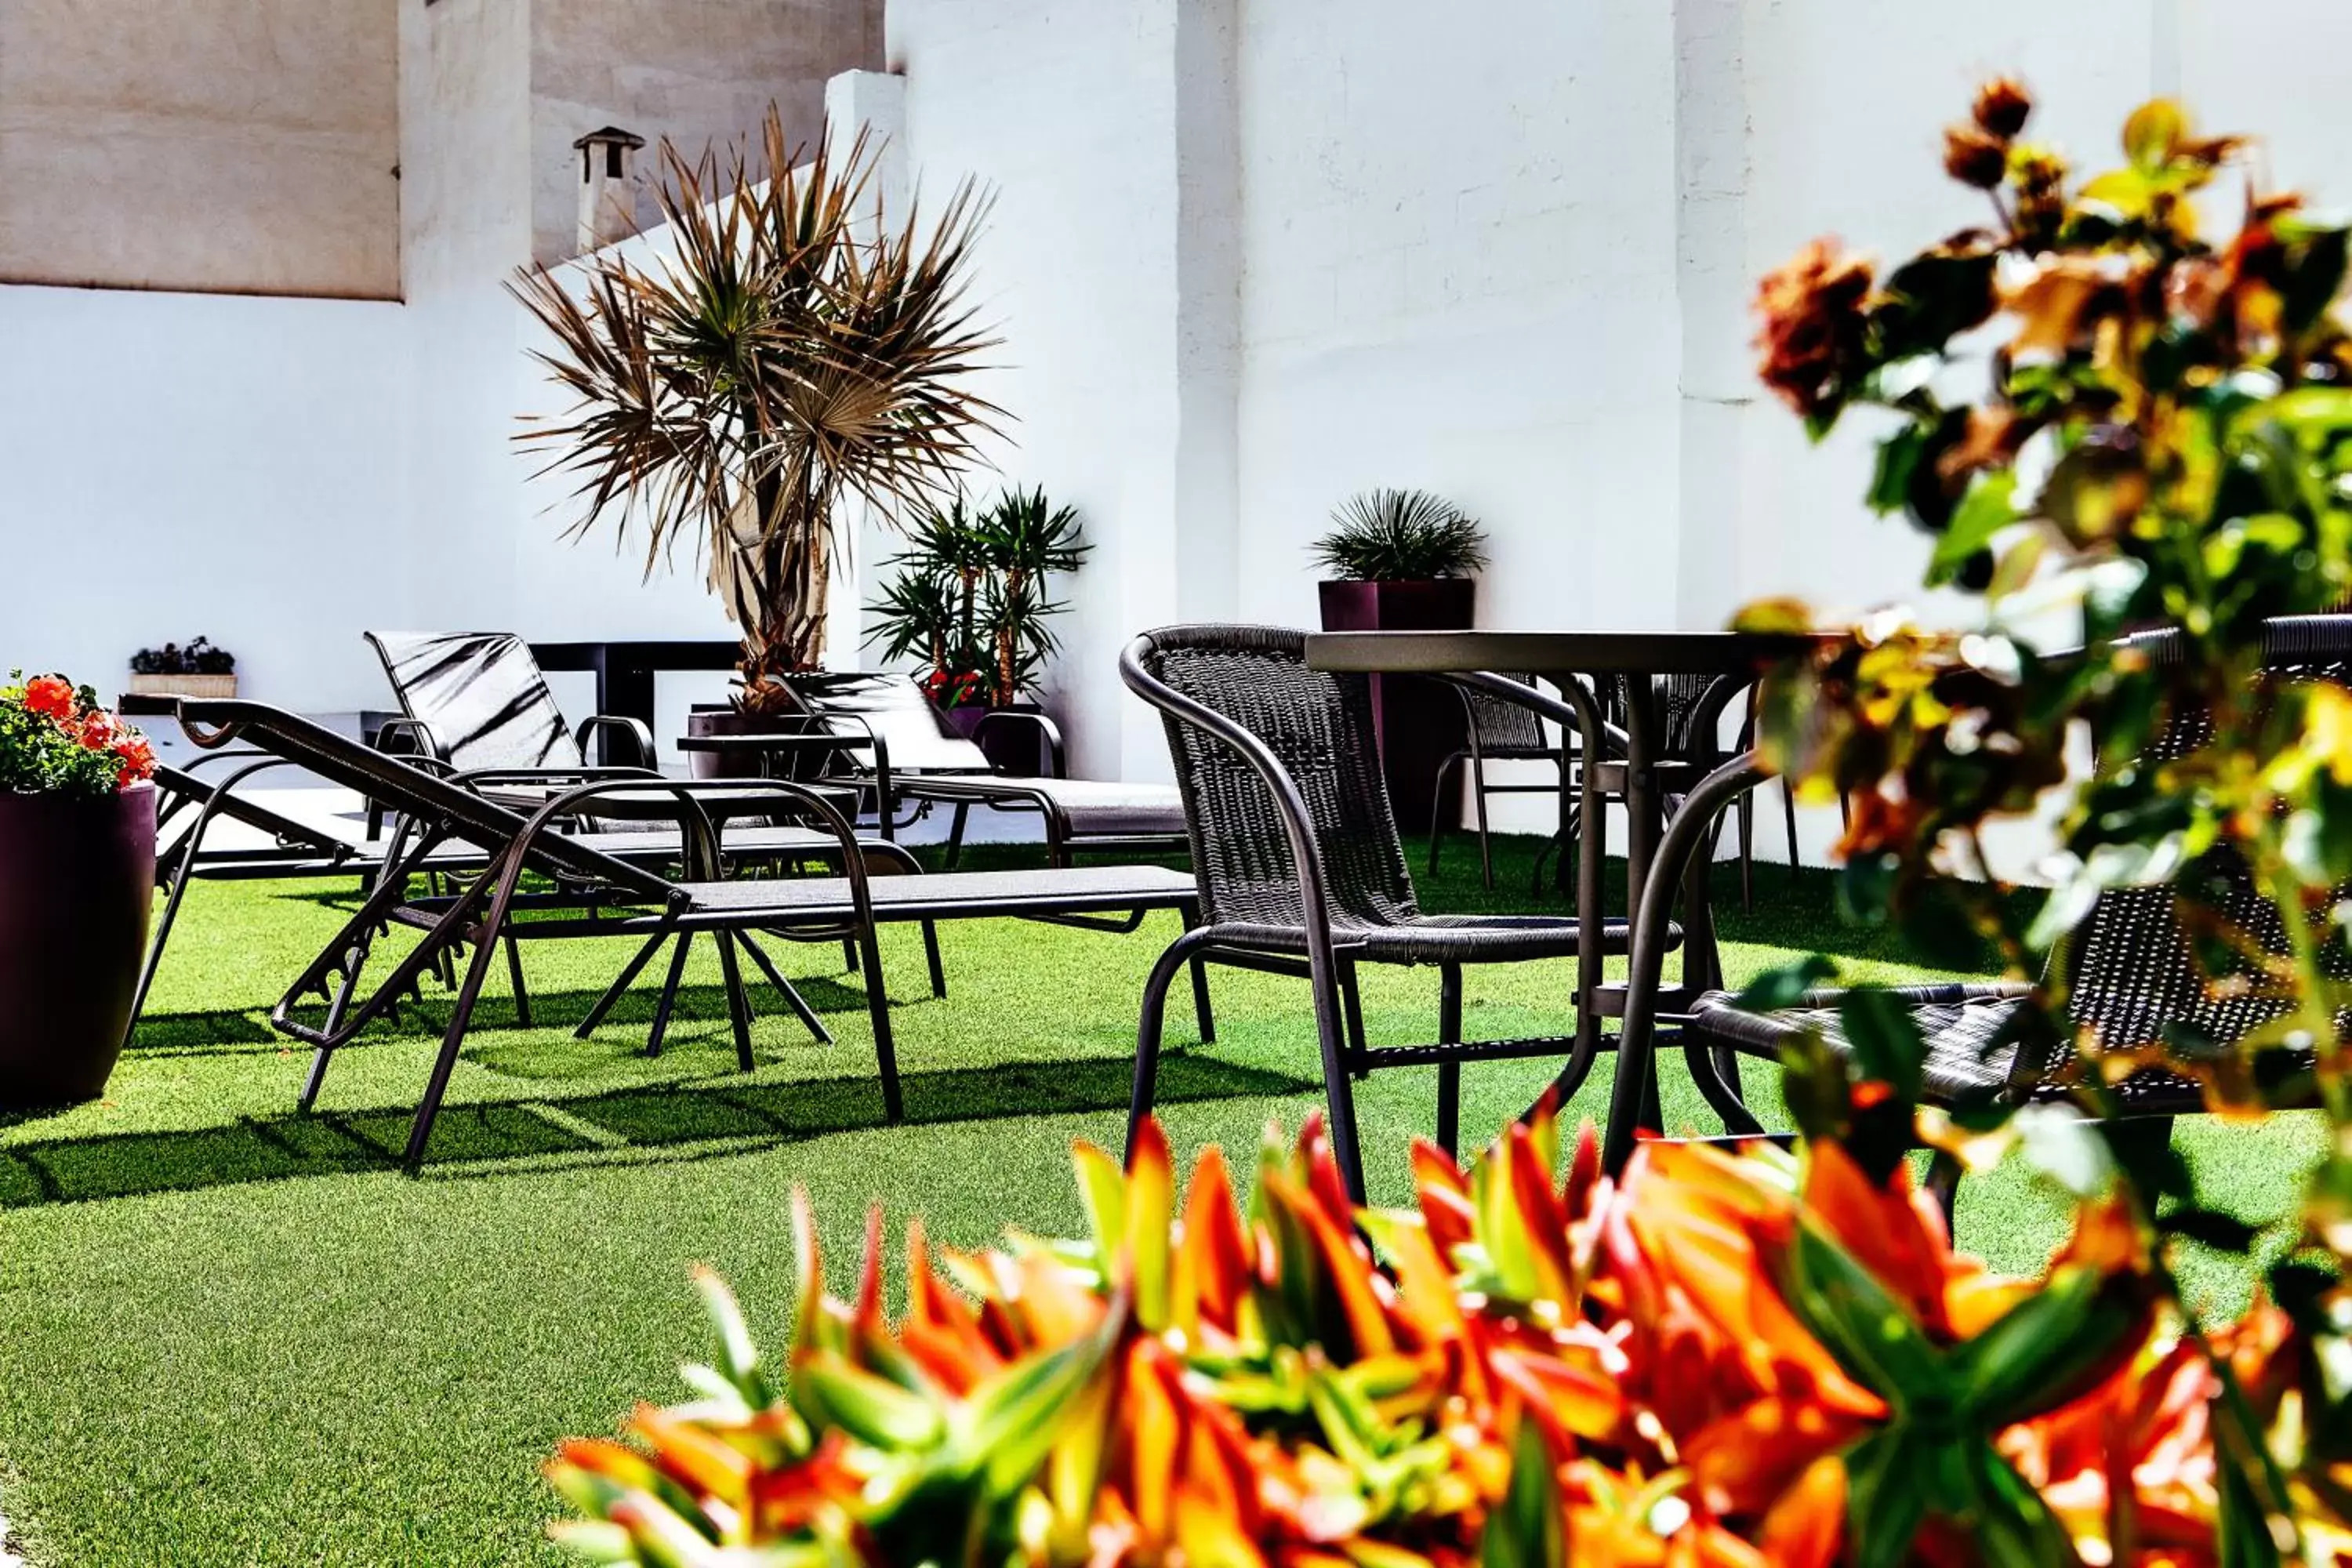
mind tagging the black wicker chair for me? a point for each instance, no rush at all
(1501, 731)
(2129, 970)
(1300, 869)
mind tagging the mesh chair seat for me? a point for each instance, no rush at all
(1094, 807)
(1439, 938)
(1967, 1060)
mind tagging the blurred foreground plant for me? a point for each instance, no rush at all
(1725, 1358)
(2111, 422)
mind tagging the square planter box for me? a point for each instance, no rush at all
(183, 685)
(1419, 721)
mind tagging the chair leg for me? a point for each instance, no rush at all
(154, 958)
(1338, 1092)
(1449, 1074)
(420, 1131)
(514, 973)
(668, 995)
(1151, 1026)
(931, 957)
(1944, 1183)
(1437, 809)
(1789, 812)
(955, 833)
(620, 985)
(1747, 853)
(787, 989)
(1478, 802)
(877, 1009)
(849, 954)
(739, 1007)
(1352, 1001)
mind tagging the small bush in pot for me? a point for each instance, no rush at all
(1401, 536)
(197, 668)
(968, 598)
(77, 878)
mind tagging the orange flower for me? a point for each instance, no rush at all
(1811, 337)
(50, 696)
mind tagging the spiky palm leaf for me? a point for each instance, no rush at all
(791, 353)
(1399, 536)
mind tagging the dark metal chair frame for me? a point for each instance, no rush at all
(1499, 730)
(609, 895)
(1301, 872)
(2128, 955)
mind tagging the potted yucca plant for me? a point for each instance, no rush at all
(1404, 561)
(77, 878)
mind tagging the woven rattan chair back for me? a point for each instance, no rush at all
(2134, 974)
(1502, 728)
(483, 696)
(1319, 726)
(897, 711)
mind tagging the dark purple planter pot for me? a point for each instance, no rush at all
(1419, 721)
(77, 881)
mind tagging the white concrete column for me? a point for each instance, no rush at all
(872, 103)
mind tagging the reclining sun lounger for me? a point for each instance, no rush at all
(611, 896)
(918, 758)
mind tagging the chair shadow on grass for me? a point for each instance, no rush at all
(655, 1117)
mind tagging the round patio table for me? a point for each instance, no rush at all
(1733, 659)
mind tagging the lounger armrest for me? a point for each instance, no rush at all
(632, 731)
(1048, 735)
(422, 740)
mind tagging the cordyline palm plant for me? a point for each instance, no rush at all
(791, 354)
(1727, 1360)
(969, 595)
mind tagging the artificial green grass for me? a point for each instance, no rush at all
(231, 1335)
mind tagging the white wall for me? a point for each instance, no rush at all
(202, 464)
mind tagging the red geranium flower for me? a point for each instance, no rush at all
(49, 696)
(138, 758)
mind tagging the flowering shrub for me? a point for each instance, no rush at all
(56, 740)
(956, 688)
(1727, 1359)
(2108, 420)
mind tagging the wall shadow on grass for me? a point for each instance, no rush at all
(755, 1115)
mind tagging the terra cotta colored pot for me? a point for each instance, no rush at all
(76, 883)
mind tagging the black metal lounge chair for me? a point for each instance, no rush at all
(1301, 872)
(917, 759)
(477, 700)
(2129, 970)
(630, 899)
(191, 805)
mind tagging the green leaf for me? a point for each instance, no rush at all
(1870, 1332)
(833, 1392)
(1102, 1189)
(1016, 1417)
(2031, 1358)
(1886, 1038)
(2013, 1527)
(739, 1357)
(1884, 1503)
(1786, 985)
(1898, 459)
(1987, 508)
(1528, 1528)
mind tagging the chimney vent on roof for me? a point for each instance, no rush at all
(607, 208)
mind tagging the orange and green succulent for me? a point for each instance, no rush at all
(1726, 1358)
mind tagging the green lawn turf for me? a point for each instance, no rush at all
(231, 1335)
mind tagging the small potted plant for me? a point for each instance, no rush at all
(77, 878)
(968, 600)
(1404, 561)
(196, 669)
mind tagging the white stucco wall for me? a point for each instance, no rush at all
(202, 464)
